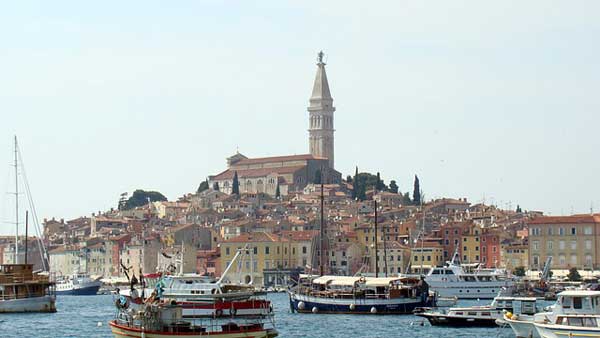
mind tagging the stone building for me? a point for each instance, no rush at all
(290, 172)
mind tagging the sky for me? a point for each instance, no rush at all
(492, 101)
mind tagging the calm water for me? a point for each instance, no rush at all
(78, 316)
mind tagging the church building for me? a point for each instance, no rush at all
(291, 172)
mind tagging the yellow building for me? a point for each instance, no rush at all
(515, 255)
(471, 245)
(425, 257)
(571, 241)
(286, 250)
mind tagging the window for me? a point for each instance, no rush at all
(573, 231)
(573, 259)
(550, 245)
(267, 250)
(561, 245)
(562, 260)
(561, 231)
(587, 230)
(465, 248)
(476, 257)
(573, 245)
(255, 250)
(416, 258)
(227, 250)
(536, 260)
(588, 244)
(577, 304)
(550, 232)
(588, 260)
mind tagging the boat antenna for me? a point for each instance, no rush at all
(26, 233)
(16, 203)
(376, 251)
(322, 236)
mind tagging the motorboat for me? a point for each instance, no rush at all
(570, 325)
(568, 303)
(455, 280)
(481, 316)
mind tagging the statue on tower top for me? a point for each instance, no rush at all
(320, 57)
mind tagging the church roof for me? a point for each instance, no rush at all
(271, 159)
(260, 172)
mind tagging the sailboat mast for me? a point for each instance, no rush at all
(26, 232)
(16, 204)
(376, 251)
(322, 254)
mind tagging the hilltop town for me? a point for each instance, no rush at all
(272, 205)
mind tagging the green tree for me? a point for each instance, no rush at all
(216, 186)
(235, 186)
(355, 185)
(364, 182)
(406, 199)
(518, 209)
(380, 186)
(417, 192)
(142, 197)
(574, 275)
(393, 187)
(317, 179)
(349, 179)
(277, 191)
(203, 186)
(519, 271)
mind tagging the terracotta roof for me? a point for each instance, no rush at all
(285, 158)
(260, 172)
(254, 237)
(566, 219)
(300, 235)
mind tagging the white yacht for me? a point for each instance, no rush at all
(585, 326)
(569, 304)
(453, 281)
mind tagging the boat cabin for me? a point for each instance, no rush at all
(578, 302)
(19, 281)
(362, 287)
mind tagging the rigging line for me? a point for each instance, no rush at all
(41, 247)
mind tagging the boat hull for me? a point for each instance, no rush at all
(560, 331)
(120, 331)
(90, 290)
(522, 328)
(34, 304)
(310, 304)
(452, 321)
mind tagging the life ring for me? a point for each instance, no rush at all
(218, 312)
(233, 311)
(362, 279)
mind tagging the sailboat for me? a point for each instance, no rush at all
(357, 294)
(22, 289)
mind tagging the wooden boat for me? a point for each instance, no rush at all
(22, 290)
(166, 321)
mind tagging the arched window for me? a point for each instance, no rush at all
(259, 186)
(248, 186)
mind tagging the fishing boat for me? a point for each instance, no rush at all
(77, 284)
(165, 320)
(568, 303)
(453, 280)
(203, 296)
(481, 316)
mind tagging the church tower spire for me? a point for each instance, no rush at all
(321, 115)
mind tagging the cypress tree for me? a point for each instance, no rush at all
(235, 186)
(277, 191)
(417, 192)
(355, 184)
(393, 187)
(317, 179)
(216, 186)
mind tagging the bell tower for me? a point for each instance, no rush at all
(321, 116)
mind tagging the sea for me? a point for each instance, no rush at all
(88, 316)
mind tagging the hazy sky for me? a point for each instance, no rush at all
(481, 99)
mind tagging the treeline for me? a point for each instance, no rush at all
(363, 182)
